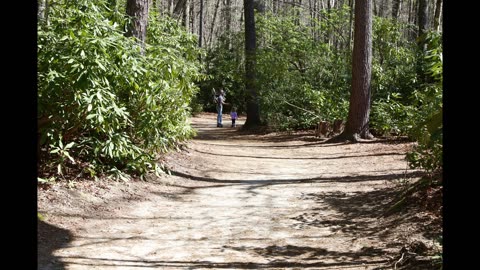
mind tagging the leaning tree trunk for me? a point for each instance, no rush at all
(138, 9)
(253, 115)
(212, 27)
(180, 11)
(359, 111)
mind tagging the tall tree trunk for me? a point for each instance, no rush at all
(383, 7)
(185, 14)
(200, 25)
(228, 16)
(251, 96)
(41, 9)
(179, 10)
(422, 16)
(396, 6)
(422, 29)
(192, 17)
(138, 9)
(410, 10)
(171, 7)
(42, 12)
(312, 16)
(213, 22)
(412, 18)
(436, 20)
(350, 26)
(357, 125)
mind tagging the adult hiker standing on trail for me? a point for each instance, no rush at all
(220, 101)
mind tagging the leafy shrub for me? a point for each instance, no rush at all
(97, 90)
(428, 154)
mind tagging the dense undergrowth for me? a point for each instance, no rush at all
(102, 104)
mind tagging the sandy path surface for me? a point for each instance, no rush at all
(238, 201)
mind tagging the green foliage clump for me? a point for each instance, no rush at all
(428, 131)
(224, 65)
(406, 101)
(298, 78)
(112, 105)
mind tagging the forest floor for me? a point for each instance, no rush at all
(242, 201)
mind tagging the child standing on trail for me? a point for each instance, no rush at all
(233, 115)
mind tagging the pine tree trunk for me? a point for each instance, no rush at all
(138, 9)
(359, 110)
(253, 115)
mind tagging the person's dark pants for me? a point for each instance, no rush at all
(219, 115)
(233, 122)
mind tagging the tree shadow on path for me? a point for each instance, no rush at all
(50, 238)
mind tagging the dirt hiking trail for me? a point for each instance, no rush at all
(237, 201)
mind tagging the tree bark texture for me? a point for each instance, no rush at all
(359, 110)
(138, 9)
(422, 17)
(253, 115)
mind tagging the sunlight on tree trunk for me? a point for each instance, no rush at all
(359, 110)
(138, 9)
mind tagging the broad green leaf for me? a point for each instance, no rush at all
(69, 145)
